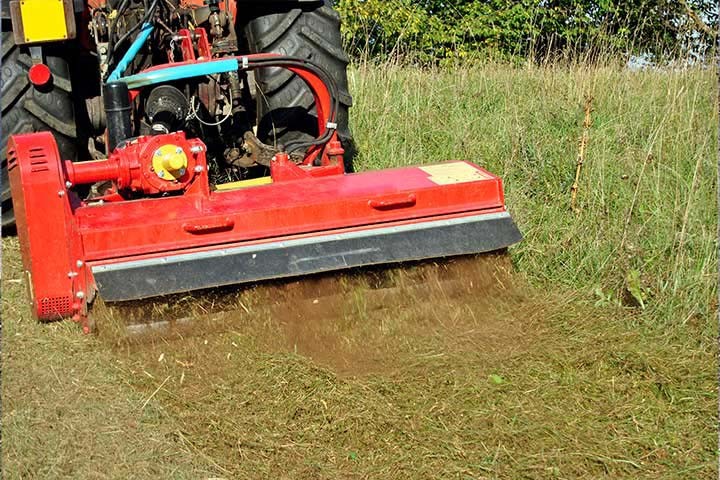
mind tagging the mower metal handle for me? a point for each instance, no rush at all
(403, 202)
(210, 226)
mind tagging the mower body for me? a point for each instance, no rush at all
(160, 220)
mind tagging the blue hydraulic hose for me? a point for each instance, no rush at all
(129, 56)
(180, 72)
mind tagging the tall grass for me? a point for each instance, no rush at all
(523, 385)
(645, 236)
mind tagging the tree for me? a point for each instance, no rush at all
(439, 29)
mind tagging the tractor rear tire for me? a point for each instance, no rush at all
(26, 108)
(285, 106)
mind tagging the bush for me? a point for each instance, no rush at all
(433, 30)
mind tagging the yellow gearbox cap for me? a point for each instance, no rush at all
(174, 162)
(170, 162)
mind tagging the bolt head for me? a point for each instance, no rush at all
(68, 184)
(178, 150)
(161, 173)
(158, 153)
(198, 169)
(79, 263)
(61, 193)
(80, 294)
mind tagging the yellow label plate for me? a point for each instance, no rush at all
(455, 172)
(43, 20)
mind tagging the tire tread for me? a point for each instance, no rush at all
(26, 109)
(286, 109)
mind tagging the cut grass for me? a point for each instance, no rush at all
(574, 383)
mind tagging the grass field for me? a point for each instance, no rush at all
(592, 354)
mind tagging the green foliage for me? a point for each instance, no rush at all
(431, 30)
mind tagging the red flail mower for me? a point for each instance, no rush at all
(160, 224)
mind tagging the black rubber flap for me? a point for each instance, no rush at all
(286, 258)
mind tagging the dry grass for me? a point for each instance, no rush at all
(524, 374)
